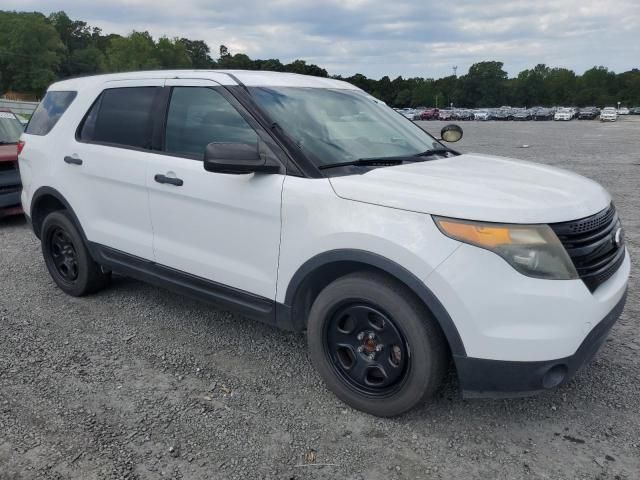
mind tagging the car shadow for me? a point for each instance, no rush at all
(13, 221)
(446, 402)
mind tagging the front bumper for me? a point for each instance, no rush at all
(481, 378)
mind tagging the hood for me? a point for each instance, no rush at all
(8, 153)
(478, 187)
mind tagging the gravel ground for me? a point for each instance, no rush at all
(136, 382)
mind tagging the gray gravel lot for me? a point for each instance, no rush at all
(136, 382)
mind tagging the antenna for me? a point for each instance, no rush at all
(455, 70)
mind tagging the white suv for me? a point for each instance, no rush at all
(308, 204)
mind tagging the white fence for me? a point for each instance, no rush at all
(17, 106)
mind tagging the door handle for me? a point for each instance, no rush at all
(72, 160)
(171, 180)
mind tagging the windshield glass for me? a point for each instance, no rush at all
(335, 125)
(10, 128)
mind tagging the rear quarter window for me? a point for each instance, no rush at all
(120, 117)
(49, 111)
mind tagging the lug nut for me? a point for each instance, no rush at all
(360, 349)
(371, 336)
(360, 335)
(371, 356)
(379, 347)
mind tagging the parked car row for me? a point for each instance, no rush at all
(517, 114)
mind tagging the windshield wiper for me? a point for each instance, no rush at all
(386, 161)
(433, 151)
(362, 162)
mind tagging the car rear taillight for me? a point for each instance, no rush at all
(20, 146)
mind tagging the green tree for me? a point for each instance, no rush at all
(134, 52)
(238, 61)
(172, 54)
(80, 41)
(300, 66)
(484, 84)
(629, 87)
(596, 86)
(561, 85)
(530, 88)
(30, 52)
(198, 52)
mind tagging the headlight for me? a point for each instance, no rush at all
(533, 250)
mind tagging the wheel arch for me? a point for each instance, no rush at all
(319, 271)
(46, 200)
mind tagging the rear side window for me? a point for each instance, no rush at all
(121, 116)
(49, 111)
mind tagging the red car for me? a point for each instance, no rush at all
(10, 186)
(430, 114)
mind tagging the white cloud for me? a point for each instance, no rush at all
(378, 37)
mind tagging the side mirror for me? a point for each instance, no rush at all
(451, 133)
(236, 158)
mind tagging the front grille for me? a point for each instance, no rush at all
(595, 245)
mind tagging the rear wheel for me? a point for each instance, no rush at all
(67, 258)
(375, 345)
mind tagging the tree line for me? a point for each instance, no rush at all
(36, 50)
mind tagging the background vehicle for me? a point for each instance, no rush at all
(634, 111)
(564, 114)
(482, 115)
(503, 113)
(429, 114)
(23, 120)
(588, 113)
(445, 114)
(337, 222)
(10, 130)
(623, 111)
(409, 113)
(608, 114)
(462, 114)
(544, 114)
(522, 114)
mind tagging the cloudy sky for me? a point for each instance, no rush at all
(385, 37)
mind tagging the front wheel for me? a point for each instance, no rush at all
(375, 345)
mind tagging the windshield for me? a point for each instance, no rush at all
(10, 128)
(335, 125)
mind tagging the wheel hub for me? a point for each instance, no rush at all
(367, 349)
(64, 255)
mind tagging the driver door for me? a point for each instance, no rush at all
(223, 228)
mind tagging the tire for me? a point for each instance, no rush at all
(67, 258)
(348, 322)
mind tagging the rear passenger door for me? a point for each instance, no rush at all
(107, 167)
(221, 227)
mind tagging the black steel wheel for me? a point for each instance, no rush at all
(375, 345)
(366, 348)
(67, 258)
(63, 253)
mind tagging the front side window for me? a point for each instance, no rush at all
(10, 128)
(199, 116)
(49, 111)
(340, 125)
(121, 116)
